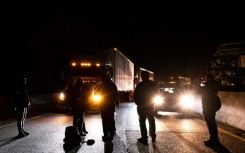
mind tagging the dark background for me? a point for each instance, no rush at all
(38, 40)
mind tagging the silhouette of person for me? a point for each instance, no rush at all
(210, 104)
(109, 99)
(22, 103)
(78, 100)
(143, 94)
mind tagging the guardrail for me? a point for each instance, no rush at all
(232, 111)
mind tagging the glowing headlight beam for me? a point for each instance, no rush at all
(187, 101)
(96, 98)
(62, 96)
(158, 99)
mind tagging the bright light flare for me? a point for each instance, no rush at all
(62, 96)
(187, 101)
(97, 98)
(73, 64)
(158, 99)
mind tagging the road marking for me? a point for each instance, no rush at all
(26, 120)
(224, 131)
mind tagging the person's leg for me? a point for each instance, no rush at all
(24, 118)
(209, 117)
(22, 112)
(152, 127)
(111, 123)
(84, 126)
(74, 120)
(81, 124)
(213, 127)
(105, 124)
(20, 121)
(142, 120)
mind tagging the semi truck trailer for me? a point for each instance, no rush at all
(137, 75)
(91, 65)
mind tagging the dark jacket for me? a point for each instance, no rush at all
(110, 96)
(21, 96)
(144, 92)
(210, 99)
(77, 98)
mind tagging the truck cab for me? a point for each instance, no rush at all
(90, 73)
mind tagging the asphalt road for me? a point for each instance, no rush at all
(175, 133)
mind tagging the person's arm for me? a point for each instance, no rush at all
(200, 90)
(117, 100)
(26, 97)
(113, 94)
(136, 94)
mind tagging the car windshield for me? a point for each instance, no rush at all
(167, 90)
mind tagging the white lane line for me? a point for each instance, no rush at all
(225, 131)
(26, 120)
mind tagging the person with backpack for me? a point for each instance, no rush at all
(77, 97)
(211, 104)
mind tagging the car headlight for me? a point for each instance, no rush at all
(62, 96)
(186, 101)
(158, 99)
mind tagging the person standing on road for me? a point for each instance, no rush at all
(78, 100)
(109, 100)
(143, 94)
(22, 103)
(210, 104)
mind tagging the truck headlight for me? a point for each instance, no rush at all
(62, 96)
(186, 101)
(97, 98)
(158, 99)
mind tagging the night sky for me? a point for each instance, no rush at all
(39, 40)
